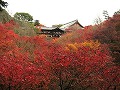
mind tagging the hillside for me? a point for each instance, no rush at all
(78, 60)
(4, 16)
(23, 28)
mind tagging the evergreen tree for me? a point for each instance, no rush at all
(3, 5)
(105, 14)
(117, 12)
(36, 23)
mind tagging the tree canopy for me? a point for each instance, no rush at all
(3, 5)
(36, 23)
(117, 12)
(22, 16)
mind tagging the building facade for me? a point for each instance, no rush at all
(58, 31)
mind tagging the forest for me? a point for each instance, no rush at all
(85, 59)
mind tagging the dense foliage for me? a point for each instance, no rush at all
(22, 16)
(81, 60)
(4, 16)
(36, 23)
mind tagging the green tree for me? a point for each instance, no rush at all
(105, 14)
(4, 16)
(36, 23)
(117, 12)
(3, 5)
(22, 16)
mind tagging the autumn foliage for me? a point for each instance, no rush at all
(81, 62)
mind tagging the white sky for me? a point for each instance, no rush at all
(50, 12)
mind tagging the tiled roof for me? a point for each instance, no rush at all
(48, 28)
(67, 25)
(64, 27)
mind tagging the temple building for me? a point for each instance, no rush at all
(58, 31)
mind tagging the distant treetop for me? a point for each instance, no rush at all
(117, 12)
(3, 5)
(22, 16)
